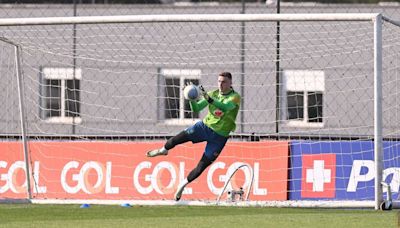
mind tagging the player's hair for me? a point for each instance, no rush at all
(226, 75)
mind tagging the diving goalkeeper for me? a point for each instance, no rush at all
(223, 107)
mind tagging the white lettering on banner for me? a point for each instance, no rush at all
(64, 184)
(247, 173)
(318, 175)
(109, 188)
(12, 172)
(356, 176)
(155, 180)
(395, 183)
(10, 178)
(231, 169)
(84, 172)
(36, 175)
(147, 177)
(256, 189)
(3, 177)
(103, 182)
(210, 174)
(187, 190)
(177, 175)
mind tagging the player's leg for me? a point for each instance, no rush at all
(215, 144)
(182, 137)
(195, 133)
(201, 166)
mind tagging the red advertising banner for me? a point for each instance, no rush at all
(121, 171)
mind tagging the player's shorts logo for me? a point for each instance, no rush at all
(190, 130)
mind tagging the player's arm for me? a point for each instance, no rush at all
(225, 106)
(197, 106)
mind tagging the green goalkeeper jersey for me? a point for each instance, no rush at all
(222, 111)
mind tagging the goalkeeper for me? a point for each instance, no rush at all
(223, 107)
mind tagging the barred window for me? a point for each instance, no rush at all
(303, 93)
(60, 95)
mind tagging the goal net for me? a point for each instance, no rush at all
(89, 96)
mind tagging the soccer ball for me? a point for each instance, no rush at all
(191, 92)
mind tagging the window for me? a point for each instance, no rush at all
(60, 96)
(303, 98)
(176, 109)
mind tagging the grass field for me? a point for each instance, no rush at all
(28, 215)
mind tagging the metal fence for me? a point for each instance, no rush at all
(8, 9)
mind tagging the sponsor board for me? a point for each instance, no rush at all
(340, 170)
(121, 170)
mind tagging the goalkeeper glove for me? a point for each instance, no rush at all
(205, 95)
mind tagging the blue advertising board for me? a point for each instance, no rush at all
(340, 170)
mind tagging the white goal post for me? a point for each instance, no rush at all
(97, 91)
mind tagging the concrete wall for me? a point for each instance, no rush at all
(120, 63)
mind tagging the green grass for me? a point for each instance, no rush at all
(72, 216)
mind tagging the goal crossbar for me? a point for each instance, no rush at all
(187, 18)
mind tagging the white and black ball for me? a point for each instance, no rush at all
(191, 92)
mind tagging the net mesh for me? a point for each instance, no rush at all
(116, 90)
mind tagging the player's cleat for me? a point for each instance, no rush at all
(178, 193)
(157, 152)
